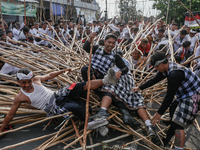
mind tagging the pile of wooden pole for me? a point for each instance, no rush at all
(42, 60)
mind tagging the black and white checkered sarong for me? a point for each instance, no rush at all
(122, 92)
(187, 110)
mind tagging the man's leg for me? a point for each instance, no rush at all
(143, 115)
(100, 119)
(110, 78)
(179, 139)
(84, 71)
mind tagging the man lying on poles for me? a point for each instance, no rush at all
(52, 102)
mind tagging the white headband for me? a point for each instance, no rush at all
(22, 76)
(159, 62)
(192, 31)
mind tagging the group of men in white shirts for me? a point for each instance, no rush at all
(157, 34)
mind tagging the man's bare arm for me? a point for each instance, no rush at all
(11, 113)
(51, 75)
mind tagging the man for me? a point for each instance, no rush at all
(102, 60)
(174, 28)
(66, 99)
(135, 59)
(16, 30)
(157, 27)
(178, 41)
(183, 83)
(185, 52)
(45, 31)
(144, 46)
(24, 33)
(161, 37)
(193, 39)
(9, 37)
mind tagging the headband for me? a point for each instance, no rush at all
(159, 62)
(22, 76)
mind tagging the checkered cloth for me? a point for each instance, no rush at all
(122, 92)
(102, 62)
(189, 86)
(56, 102)
(186, 110)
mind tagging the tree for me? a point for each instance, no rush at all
(176, 10)
(127, 10)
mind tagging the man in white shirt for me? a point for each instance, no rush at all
(16, 30)
(178, 41)
(44, 30)
(174, 29)
(9, 37)
(158, 26)
(23, 34)
(193, 39)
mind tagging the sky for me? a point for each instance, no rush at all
(143, 5)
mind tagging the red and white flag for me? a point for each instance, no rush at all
(190, 21)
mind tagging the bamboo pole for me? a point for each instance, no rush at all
(25, 12)
(87, 102)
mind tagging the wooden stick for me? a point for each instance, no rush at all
(76, 130)
(25, 12)
(87, 102)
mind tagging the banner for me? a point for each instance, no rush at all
(17, 9)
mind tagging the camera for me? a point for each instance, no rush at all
(81, 15)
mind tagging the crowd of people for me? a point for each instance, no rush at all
(114, 86)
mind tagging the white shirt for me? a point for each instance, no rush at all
(16, 33)
(8, 69)
(179, 42)
(22, 35)
(193, 41)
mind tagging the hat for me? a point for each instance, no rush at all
(89, 21)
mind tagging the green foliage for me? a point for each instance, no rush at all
(176, 10)
(127, 9)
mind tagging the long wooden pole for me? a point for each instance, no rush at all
(87, 102)
(167, 11)
(1, 17)
(25, 12)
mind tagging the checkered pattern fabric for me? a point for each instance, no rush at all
(122, 92)
(184, 114)
(190, 85)
(102, 62)
(55, 104)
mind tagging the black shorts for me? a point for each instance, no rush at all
(73, 102)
